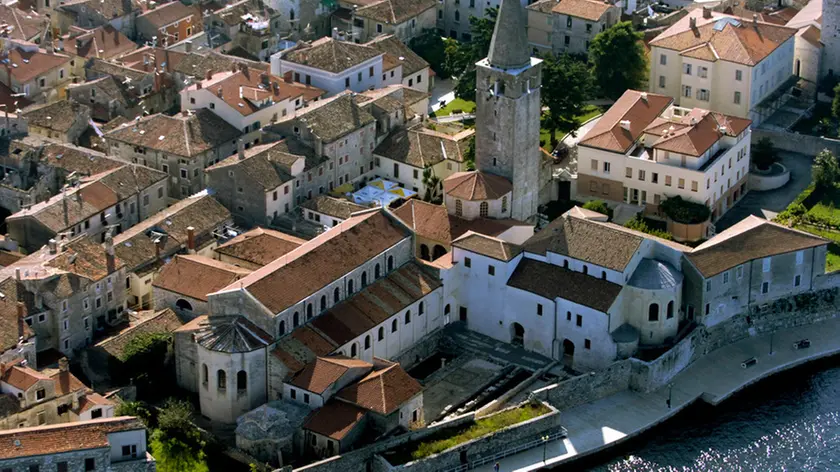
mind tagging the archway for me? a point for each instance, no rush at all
(424, 252)
(568, 353)
(183, 305)
(438, 252)
(517, 334)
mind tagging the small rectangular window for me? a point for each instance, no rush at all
(800, 257)
(467, 262)
(491, 270)
(765, 264)
(579, 320)
(797, 281)
(539, 309)
(765, 287)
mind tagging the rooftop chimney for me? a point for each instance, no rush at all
(110, 259)
(188, 47)
(63, 365)
(157, 248)
(707, 13)
(287, 77)
(219, 92)
(234, 67)
(53, 246)
(184, 113)
(208, 75)
(644, 97)
(17, 273)
(755, 18)
(264, 78)
(191, 239)
(240, 148)
(692, 23)
(625, 124)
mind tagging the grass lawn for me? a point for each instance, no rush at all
(828, 206)
(457, 104)
(446, 439)
(589, 112)
(832, 257)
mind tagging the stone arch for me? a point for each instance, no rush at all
(424, 253)
(336, 295)
(183, 305)
(438, 252)
(568, 352)
(390, 263)
(221, 379)
(281, 328)
(517, 334)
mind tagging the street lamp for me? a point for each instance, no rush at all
(545, 445)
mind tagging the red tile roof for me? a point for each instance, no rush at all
(476, 185)
(382, 391)
(335, 420)
(197, 276)
(323, 372)
(639, 108)
(55, 439)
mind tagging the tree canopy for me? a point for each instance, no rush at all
(825, 170)
(618, 60)
(763, 154)
(566, 87)
(461, 57)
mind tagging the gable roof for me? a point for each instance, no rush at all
(698, 131)
(750, 239)
(335, 420)
(28, 64)
(551, 281)
(170, 13)
(22, 378)
(333, 118)
(267, 165)
(421, 148)
(434, 222)
(246, 89)
(323, 372)
(639, 108)
(260, 246)
(334, 253)
(58, 116)
(395, 11)
(591, 10)
(102, 42)
(732, 39)
(84, 258)
(476, 185)
(331, 206)
(391, 45)
(83, 161)
(301, 347)
(25, 25)
(12, 326)
(382, 391)
(67, 437)
(195, 276)
(186, 136)
(331, 55)
(488, 246)
(163, 321)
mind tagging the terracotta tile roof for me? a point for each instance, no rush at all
(22, 378)
(14, 103)
(335, 420)
(700, 131)
(202, 212)
(420, 147)
(323, 372)
(147, 57)
(335, 207)
(812, 34)
(552, 281)
(71, 158)
(59, 116)
(33, 63)
(591, 10)
(12, 328)
(171, 12)
(542, 6)
(487, 246)
(103, 42)
(102, 67)
(91, 401)
(331, 55)
(610, 135)
(810, 14)
(397, 50)
(8, 258)
(476, 185)
(587, 241)
(26, 25)
(67, 437)
(301, 347)
(267, 165)
(84, 258)
(750, 239)
(334, 252)
(231, 334)
(375, 303)
(196, 276)
(198, 65)
(434, 222)
(395, 11)
(778, 17)
(67, 383)
(382, 391)
(106, 8)
(183, 136)
(732, 39)
(164, 321)
(335, 117)
(247, 90)
(393, 97)
(260, 246)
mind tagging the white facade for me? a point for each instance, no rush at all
(220, 395)
(366, 75)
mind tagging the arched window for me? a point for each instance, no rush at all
(221, 379)
(376, 271)
(381, 335)
(242, 380)
(323, 302)
(291, 15)
(585, 269)
(565, 263)
(424, 253)
(421, 309)
(309, 311)
(483, 209)
(367, 342)
(336, 295)
(653, 312)
(670, 313)
(457, 15)
(604, 275)
(447, 309)
(459, 208)
(408, 317)
(204, 374)
(296, 320)
(504, 204)
(394, 326)
(183, 305)
(353, 350)
(364, 279)
(390, 263)
(281, 328)
(350, 287)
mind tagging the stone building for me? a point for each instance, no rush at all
(29, 26)
(194, 225)
(169, 23)
(117, 198)
(568, 26)
(121, 14)
(256, 248)
(361, 21)
(17, 314)
(63, 121)
(100, 445)
(400, 60)
(40, 74)
(103, 42)
(252, 25)
(816, 55)
(107, 97)
(180, 146)
(329, 211)
(185, 281)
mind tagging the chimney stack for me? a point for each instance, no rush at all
(692, 23)
(208, 75)
(17, 274)
(63, 365)
(644, 96)
(53, 244)
(157, 248)
(191, 239)
(264, 78)
(110, 259)
(755, 18)
(188, 46)
(707, 13)
(21, 314)
(625, 124)
(287, 77)
(240, 148)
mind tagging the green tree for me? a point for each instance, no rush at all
(433, 186)
(825, 170)
(176, 443)
(638, 223)
(763, 154)
(835, 104)
(463, 56)
(566, 87)
(138, 409)
(598, 206)
(469, 154)
(144, 362)
(430, 46)
(618, 60)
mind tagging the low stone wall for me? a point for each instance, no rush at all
(686, 232)
(795, 142)
(762, 182)
(587, 387)
(799, 310)
(507, 438)
(431, 344)
(504, 398)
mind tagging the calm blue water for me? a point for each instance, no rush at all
(790, 422)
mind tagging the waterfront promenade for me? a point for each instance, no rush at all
(606, 422)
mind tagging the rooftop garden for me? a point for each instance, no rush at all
(684, 211)
(451, 437)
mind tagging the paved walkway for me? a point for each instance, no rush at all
(501, 352)
(579, 133)
(598, 425)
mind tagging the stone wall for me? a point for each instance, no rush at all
(795, 142)
(430, 344)
(587, 387)
(798, 310)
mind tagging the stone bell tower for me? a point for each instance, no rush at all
(830, 37)
(508, 110)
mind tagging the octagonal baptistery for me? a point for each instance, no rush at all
(652, 301)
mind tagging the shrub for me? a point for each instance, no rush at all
(139, 409)
(638, 223)
(763, 154)
(825, 170)
(685, 212)
(598, 206)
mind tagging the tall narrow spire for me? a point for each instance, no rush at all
(509, 46)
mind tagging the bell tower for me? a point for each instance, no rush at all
(508, 110)
(830, 37)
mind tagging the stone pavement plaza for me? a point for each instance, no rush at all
(598, 425)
